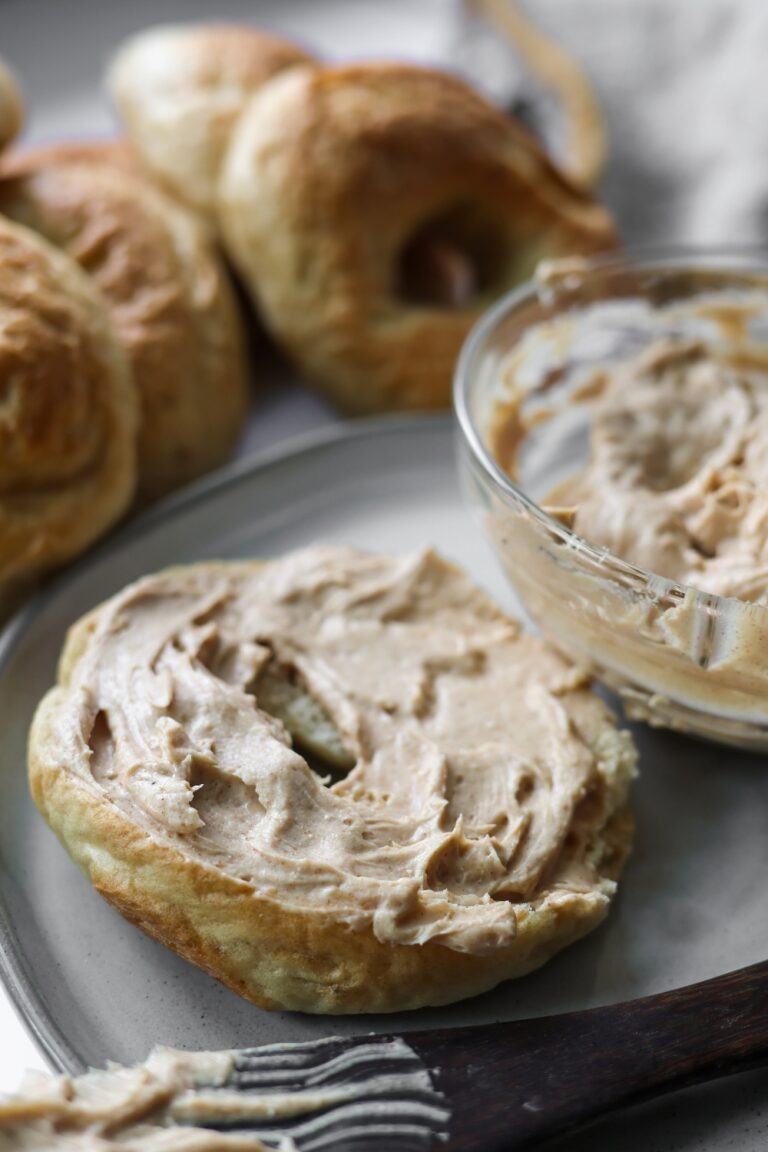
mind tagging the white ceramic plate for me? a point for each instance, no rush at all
(94, 988)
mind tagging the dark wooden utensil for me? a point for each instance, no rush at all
(501, 1087)
(512, 1085)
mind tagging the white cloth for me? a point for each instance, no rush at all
(682, 84)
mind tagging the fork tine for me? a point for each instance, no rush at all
(257, 1067)
(365, 1094)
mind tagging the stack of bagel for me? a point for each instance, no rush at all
(122, 366)
(371, 212)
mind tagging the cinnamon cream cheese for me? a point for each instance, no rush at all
(485, 772)
(655, 463)
(308, 1094)
(138, 1109)
(677, 480)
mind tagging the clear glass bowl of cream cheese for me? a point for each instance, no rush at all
(613, 432)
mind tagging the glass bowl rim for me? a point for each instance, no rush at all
(669, 258)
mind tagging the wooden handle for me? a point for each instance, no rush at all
(510, 1085)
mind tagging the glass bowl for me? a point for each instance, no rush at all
(678, 657)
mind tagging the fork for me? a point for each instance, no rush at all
(497, 1087)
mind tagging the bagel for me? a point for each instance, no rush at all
(480, 830)
(114, 151)
(180, 90)
(167, 291)
(68, 412)
(375, 211)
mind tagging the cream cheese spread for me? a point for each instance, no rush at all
(677, 480)
(485, 770)
(133, 1109)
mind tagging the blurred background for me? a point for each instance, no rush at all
(681, 85)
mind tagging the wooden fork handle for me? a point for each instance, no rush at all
(511, 1085)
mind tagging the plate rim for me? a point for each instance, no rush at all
(28, 1001)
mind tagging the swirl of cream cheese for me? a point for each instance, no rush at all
(484, 769)
(677, 480)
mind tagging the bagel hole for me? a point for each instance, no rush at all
(451, 259)
(280, 690)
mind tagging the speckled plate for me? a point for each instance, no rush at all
(92, 987)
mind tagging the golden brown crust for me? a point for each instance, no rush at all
(67, 411)
(270, 954)
(114, 151)
(168, 294)
(180, 89)
(283, 956)
(335, 178)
